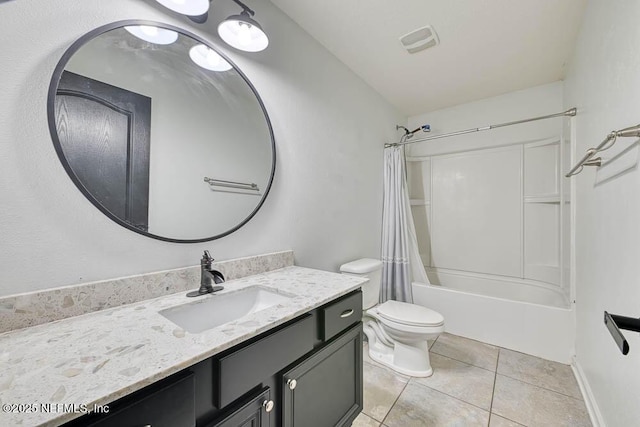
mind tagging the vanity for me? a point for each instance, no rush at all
(170, 140)
(297, 362)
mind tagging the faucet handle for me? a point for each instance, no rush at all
(218, 277)
(207, 258)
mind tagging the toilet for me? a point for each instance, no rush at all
(397, 331)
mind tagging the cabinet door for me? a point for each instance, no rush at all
(326, 389)
(254, 413)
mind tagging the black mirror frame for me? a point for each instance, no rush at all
(53, 88)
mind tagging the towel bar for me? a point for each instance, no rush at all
(231, 184)
(615, 323)
(588, 160)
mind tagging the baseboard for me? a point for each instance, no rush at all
(589, 399)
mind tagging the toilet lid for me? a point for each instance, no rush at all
(409, 314)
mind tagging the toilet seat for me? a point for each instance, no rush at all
(406, 314)
(403, 327)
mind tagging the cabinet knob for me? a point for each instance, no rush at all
(292, 384)
(268, 405)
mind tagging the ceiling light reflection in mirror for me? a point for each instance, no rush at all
(152, 34)
(208, 58)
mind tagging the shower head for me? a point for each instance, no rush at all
(423, 128)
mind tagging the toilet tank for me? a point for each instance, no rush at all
(371, 269)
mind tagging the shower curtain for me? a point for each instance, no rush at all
(401, 263)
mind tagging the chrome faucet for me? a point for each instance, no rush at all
(208, 277)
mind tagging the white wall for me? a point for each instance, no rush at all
(604, 83)
(329, 127)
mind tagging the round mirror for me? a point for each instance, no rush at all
(161, 132)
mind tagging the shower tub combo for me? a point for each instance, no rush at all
(492, 220)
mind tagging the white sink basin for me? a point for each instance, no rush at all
(216, 310)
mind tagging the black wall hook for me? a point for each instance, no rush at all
(615, 323)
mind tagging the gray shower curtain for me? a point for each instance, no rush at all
(401, 263)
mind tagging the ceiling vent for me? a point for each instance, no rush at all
(420, 39)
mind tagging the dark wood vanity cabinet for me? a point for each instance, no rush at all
(255, 412)
(305, 373)
(325, 389)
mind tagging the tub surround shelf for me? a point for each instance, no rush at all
(97, 358)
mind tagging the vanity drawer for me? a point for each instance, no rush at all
(339, 315)
(244, 369)
(172, 405)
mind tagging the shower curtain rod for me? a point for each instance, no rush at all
(571, 112)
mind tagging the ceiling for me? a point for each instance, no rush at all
(487, 47)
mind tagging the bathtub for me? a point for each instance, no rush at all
(517, 315)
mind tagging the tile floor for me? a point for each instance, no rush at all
(474, 384)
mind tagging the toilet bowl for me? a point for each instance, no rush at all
(397, 331)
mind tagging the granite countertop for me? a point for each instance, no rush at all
(99, 357)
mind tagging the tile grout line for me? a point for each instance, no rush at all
(543, 388)
(386, 368)
(495, 371)
(394, 402)
(493, 392)
(449, 395)
(515, 379)
(536, 385)
(380, 366)
(474, 340)
(470, 339)
(439, 391)
(508, 376)
(509, 419)
(462, 361)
